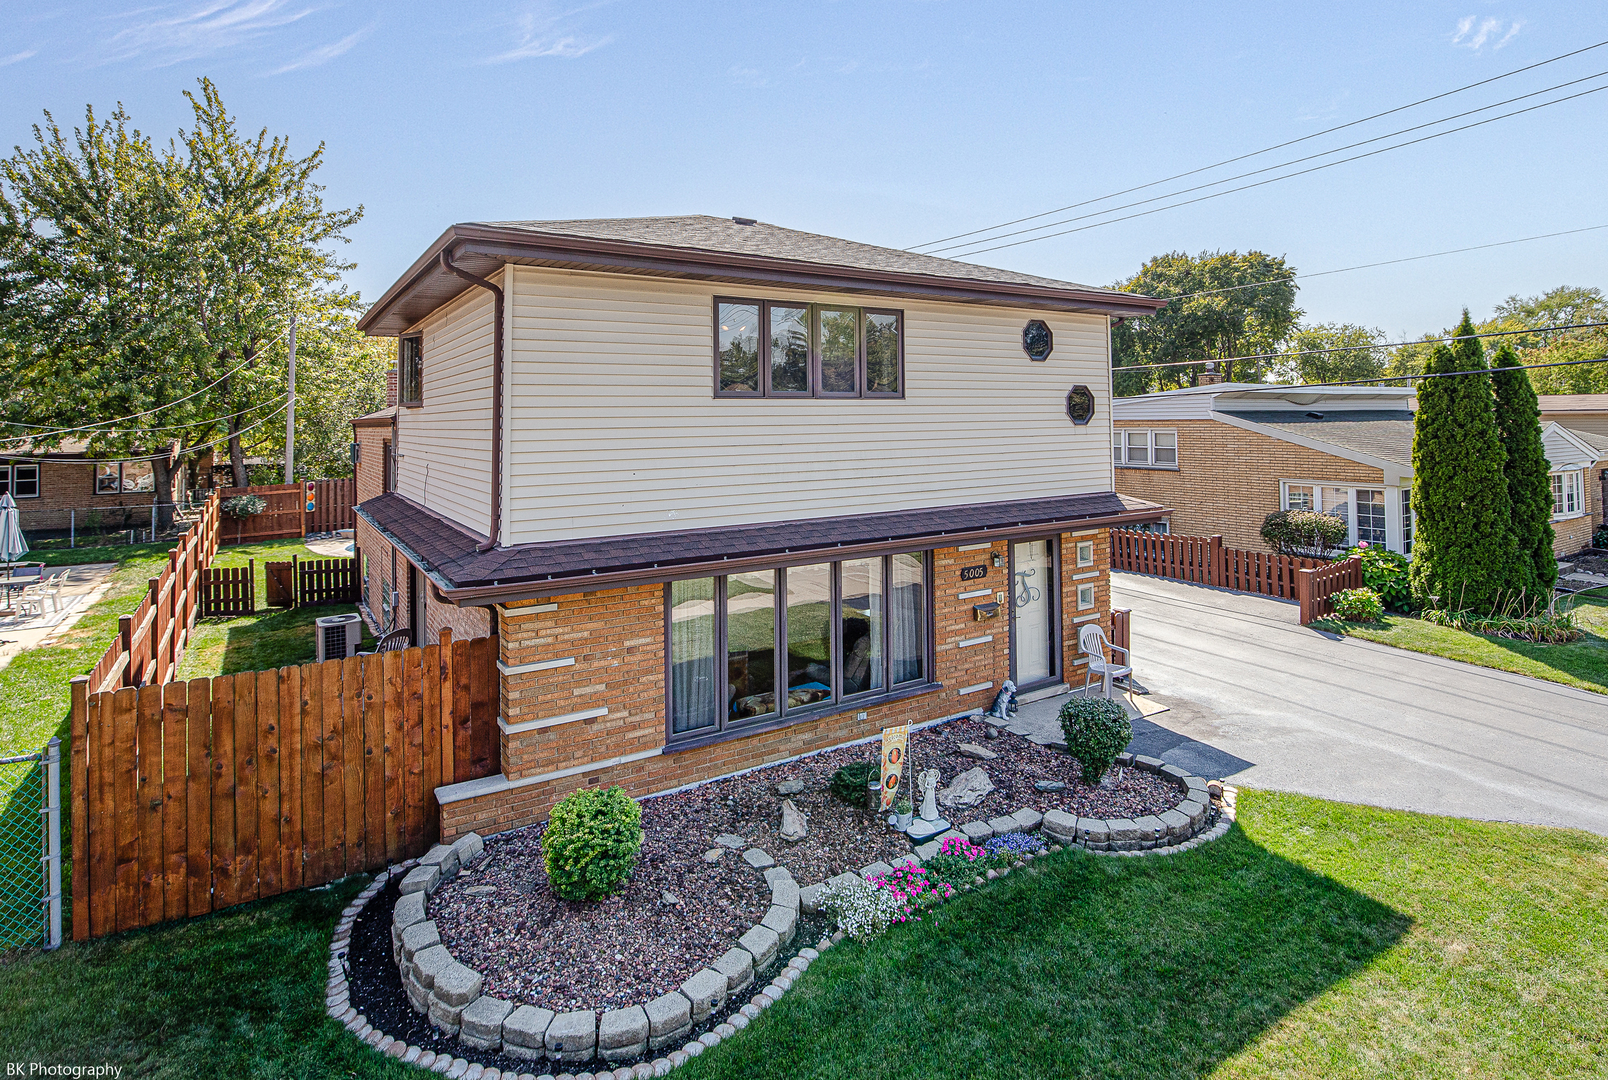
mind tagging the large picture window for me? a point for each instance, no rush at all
(787, 349)
(775, 645)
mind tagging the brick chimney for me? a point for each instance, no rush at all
(390, 388)
(1209, 375)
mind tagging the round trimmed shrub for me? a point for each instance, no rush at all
(1097, 730)
(591, 843)
(851, 782)
(1358, 605)
(1303, 533)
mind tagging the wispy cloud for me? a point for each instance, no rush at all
(325, 53)
(1475, 33)
(172, 33)
(544, 33)
(17, 58)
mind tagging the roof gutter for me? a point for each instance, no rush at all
(496, 396)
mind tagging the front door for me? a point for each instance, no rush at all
(1034, 658)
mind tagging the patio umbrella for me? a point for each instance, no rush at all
(12, 544)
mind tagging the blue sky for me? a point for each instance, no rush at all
(893, 123)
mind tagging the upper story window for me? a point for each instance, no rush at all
(1145, 448)
(1566, 500)
(767, 348)
(410, 371)
(388, 467)
(21, 480)
(772, 646)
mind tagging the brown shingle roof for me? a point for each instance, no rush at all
(700, 247)
(447, 549)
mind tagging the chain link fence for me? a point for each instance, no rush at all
(30, 849)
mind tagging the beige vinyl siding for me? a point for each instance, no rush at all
(613, 426)
(445, 446)
(1595, 423)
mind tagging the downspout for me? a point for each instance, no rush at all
(496, 397)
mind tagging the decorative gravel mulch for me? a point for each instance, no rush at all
(1122, 793)
(683, 910)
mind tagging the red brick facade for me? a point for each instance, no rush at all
(605, 649)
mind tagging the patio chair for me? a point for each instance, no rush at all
(391, 642)
(52, 586)
(1092, 640)
(32, 600)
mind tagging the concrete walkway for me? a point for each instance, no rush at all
(1254, 696)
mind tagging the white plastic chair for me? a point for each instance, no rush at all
(52, 587)
(1092, 640)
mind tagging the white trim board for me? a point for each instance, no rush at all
(540, 665)
(491, 785)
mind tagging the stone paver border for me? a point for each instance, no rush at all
(449, 993)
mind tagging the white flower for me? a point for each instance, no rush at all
(862, 910)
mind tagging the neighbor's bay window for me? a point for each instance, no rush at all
(1566, 500)
(769, 645)
(788, 349)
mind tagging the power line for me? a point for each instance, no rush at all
(177, 427)
(1385, 262)
(1280, 165)
(1423, 375)
(50, 434)
(191, 450)
(1264, 150)
(1286, 176)
(1362, 348)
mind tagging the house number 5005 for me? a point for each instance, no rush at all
(973, 573)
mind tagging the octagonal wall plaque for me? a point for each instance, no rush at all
(1080, 405)
(1037, 341)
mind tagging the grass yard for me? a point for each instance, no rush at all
(1582, 663)
(1319, 939)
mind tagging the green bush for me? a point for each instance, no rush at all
(1358, 605)
(1556, 628)
(850, 782)
(591, 843)
(1599, 539)
(242, 506)
(1386, 573)
(1303, 533)
(1096, 730)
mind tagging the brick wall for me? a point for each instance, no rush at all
(68, 486)
(1227, 480)
(615, 639)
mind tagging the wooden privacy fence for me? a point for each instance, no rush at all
(151, 640)
(286, 514)
(1205, 561)
(191, 797)
(295, 582)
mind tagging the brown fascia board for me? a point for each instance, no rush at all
(586, 253)
(481, 595)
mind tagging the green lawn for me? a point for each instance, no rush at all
(1317, 940)
(1582, 663)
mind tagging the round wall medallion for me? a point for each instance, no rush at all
(1080, 404)
(1037, 341)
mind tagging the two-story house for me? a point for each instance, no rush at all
(728, 492)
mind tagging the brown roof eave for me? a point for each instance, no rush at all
(509, 245)
(480, 595)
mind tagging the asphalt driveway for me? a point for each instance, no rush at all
(1255, 697)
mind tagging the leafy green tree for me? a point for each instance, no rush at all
(1529, 483)
(1363, 358)
(1463, 546)
(1221, 305)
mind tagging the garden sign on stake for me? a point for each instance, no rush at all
(894, 741)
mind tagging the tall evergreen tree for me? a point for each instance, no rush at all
(1529, 484)
(1463, 546)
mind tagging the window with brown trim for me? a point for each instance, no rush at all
(775, 348)
(410, 371)
(21, 480)
(769, 647)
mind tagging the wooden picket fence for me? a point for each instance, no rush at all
(151, 640)
(191, 797)
(1204, 560)
(334, 503)
(328, 581)
(229, 590)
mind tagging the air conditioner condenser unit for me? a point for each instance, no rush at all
(338, 636)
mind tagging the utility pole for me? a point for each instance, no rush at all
(290, 413)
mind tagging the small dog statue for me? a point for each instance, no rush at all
(1004, 702)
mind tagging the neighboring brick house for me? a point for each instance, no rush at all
(728, 493)
(1223, 456)
(63, 489)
